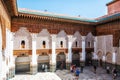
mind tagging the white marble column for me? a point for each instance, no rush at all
(69, 60)
(114, 58)
(12, 65)
(53, 62)
(103, 58)
(70, 49)
(33, 67)
(83, 55)
(83, 49)
(95, 49)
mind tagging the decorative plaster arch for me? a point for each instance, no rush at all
(89, 39)
(61, 53)
(20, 35)
(109, 57)
(78, 39)
(43, 36)
(44, 33)
(99, 54)
(62, 33)
(62, 36)
(22, 32)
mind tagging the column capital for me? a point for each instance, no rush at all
(70, 38)
(53, 37)
(115, 49)
(34, 36)
(83, 38)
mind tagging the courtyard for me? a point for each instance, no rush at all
(87, 74)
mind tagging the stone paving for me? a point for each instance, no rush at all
(87, 74)
(38, 76)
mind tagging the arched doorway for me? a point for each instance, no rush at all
(76, 59)
(61, 61)
(88, 61)
(22, 64)
(43, 62)
(99, 54)
(109, 57)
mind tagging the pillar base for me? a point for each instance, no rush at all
(33, 69)
(68, 66)
(104, 64)
(82, 63)
(52, 68)
(95, 62)
(118, 68)
(11, 72)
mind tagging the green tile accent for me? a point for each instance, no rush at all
(68, 17)
(56, 15)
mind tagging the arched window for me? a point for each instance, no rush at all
(22, 44)
(89, 44)
(76, 44)
(61, 43)
(44, 44)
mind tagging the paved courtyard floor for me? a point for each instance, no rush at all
(87, 74)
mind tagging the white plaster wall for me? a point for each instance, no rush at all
(62, 36)
(44, 35)
(59, 39)
(78, 38)
(17, 42)
(89, 38)
(40, 42)
(22, 34)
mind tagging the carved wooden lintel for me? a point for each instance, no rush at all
(22, 52)
(64, 50)
(76, 50)
(40, 51)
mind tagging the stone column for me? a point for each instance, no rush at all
(12, 65)
(83, 55)
(33, 65)
(95, 58)
(113, 59)
(1, 65)
(53, 62)
(104, 61)
(69, 55)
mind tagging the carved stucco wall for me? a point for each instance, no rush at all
(109, 43)
(62, 36)
(117, 51)
(44, 35)
(118, 57)
(22, 34)
(77, 38)
(104, 45)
